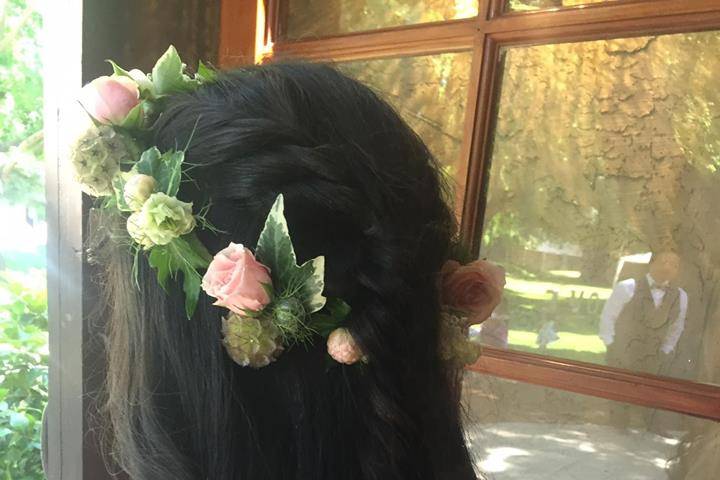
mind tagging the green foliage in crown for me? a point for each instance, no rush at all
(114, 161)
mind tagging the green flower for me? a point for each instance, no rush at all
(289, 316)
(96, 157)
(251, 342)
(161, 219)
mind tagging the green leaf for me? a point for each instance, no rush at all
(170, 172)
(160, 260)
(191, 287)
(310, 283)
(198, 248)
(184, 252)
(324, 324)
(135, 118)
(182, 255)
(332, 316)
(337, 308)
(269, 290)
(274, 246)
(118, 70)
(149, 162)
(165, 168)
(275, 250)
(204, 73)
(118, 184)
(168, 74)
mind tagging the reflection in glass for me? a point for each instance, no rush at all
(601, 202)
(531, 5)
(521, 431)
(320, 18)
(430, 92)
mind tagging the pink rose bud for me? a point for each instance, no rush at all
(475, 288)
(342, 347)
(235, 278)
(109, 99)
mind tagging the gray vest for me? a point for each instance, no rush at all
(641, 329)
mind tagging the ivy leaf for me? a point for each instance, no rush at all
(275, 249)
(308, 282)
(149, 162)
(118, 184)
(170, 172)
(165, 168)
(168, 74)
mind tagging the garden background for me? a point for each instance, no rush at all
(23, 298)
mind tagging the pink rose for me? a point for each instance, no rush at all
(342, 347)
(109, 99)
(235, 278)
(475, 288)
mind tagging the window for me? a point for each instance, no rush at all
(583, 137)
(603, 153)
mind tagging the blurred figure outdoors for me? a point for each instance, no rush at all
(642, 322)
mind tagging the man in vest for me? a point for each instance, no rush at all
(641, 324)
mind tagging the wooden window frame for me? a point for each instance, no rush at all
(486, 35)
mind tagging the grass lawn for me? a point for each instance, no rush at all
(561, 297)
(586, 348)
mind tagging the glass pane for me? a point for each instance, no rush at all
(605, 153)
(23, 296)
(532, 5)
(518, 431)
(320, 18)
(430, 92)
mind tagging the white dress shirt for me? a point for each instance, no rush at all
(621, 295)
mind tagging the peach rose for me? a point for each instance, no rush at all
(475, 288)
(235, 278)
(342, 347)
(109, 99)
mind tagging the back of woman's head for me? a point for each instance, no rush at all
(361, 189)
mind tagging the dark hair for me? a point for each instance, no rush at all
(361, 189)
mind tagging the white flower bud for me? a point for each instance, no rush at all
(138, 189)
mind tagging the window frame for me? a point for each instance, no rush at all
(486, 35)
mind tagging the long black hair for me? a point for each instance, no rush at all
(361, 189)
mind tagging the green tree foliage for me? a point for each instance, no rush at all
(23, 375)
(23, 302)
(21, 107)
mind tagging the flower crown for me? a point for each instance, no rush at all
(272, 302)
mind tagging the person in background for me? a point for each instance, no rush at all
(642, 322)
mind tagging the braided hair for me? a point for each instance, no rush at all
(361, 189)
